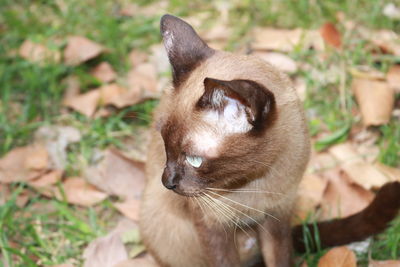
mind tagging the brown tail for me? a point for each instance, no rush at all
(370, 221)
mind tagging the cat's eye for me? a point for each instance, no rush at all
(195, 161)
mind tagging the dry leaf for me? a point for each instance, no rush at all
(217, 32)
(72, 88)
(105, 251)
(285, 40)
(63, 265)
(143, 78)
(117, 175)
(84, 103)
(23, 164)
(276, 39)
(393, 174)
(80, 49)
(361, 172)
(47, 179)
(113, 94)
(331, 35)
(136, 58)
(129, 208)
(109, 250)
(388, 263)
(376, 100)
(77, 191)
(342, 197)
(38, 53)
(393, 78)
(104, 72)
(387, 40)
(309, 195)
(56, 140)
(279, 60)
(338, 257)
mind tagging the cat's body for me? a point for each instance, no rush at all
(241, 120)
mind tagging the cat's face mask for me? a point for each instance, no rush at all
(215, 137)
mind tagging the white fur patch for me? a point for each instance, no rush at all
(206, 143)
(232, 120)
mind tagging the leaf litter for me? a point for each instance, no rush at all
(339, 180)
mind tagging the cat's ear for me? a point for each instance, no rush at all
(231, 98)
(184, 47)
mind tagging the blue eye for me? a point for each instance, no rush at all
(195, 161)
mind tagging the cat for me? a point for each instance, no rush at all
(229, 148)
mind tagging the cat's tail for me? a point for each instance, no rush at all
(370, 221)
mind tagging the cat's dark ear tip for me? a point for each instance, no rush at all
(167, 19)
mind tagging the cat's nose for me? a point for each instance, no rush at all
(170, 178)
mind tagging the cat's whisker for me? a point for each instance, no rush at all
(247, 216)
(199, 200)
(229, 214)
(211, 205)
(243, 205)
(244, 191)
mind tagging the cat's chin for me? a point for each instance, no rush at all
(191, 193)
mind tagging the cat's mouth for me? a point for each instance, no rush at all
(187, 193)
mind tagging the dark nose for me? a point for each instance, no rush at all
(170, 178)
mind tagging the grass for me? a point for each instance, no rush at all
(30, 96)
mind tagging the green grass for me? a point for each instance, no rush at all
(30, 96)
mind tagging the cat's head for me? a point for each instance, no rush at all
(217, 121)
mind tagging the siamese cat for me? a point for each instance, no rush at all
(229, 148)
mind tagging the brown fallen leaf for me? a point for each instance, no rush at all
(309, 195)
(76, 191)
(393, 78)
(113, 94)
(279, 60)
(376, 100)
(85, 104)
(80, 49)
(129, 208)
(38, 53)
(393, 174)
(331, 35)
(136, 58)
(47, 179)
(342, 197)
(388, 263)
(105, 251)
(217, 32)
(23, 164)
(109, 250)
(72, 88)
(143, 78)
(361, 172)
(117, 175)
(104, 72)
(386, 40)
(338, 257)
(63, 265)
(285, 40)
(276, 39)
